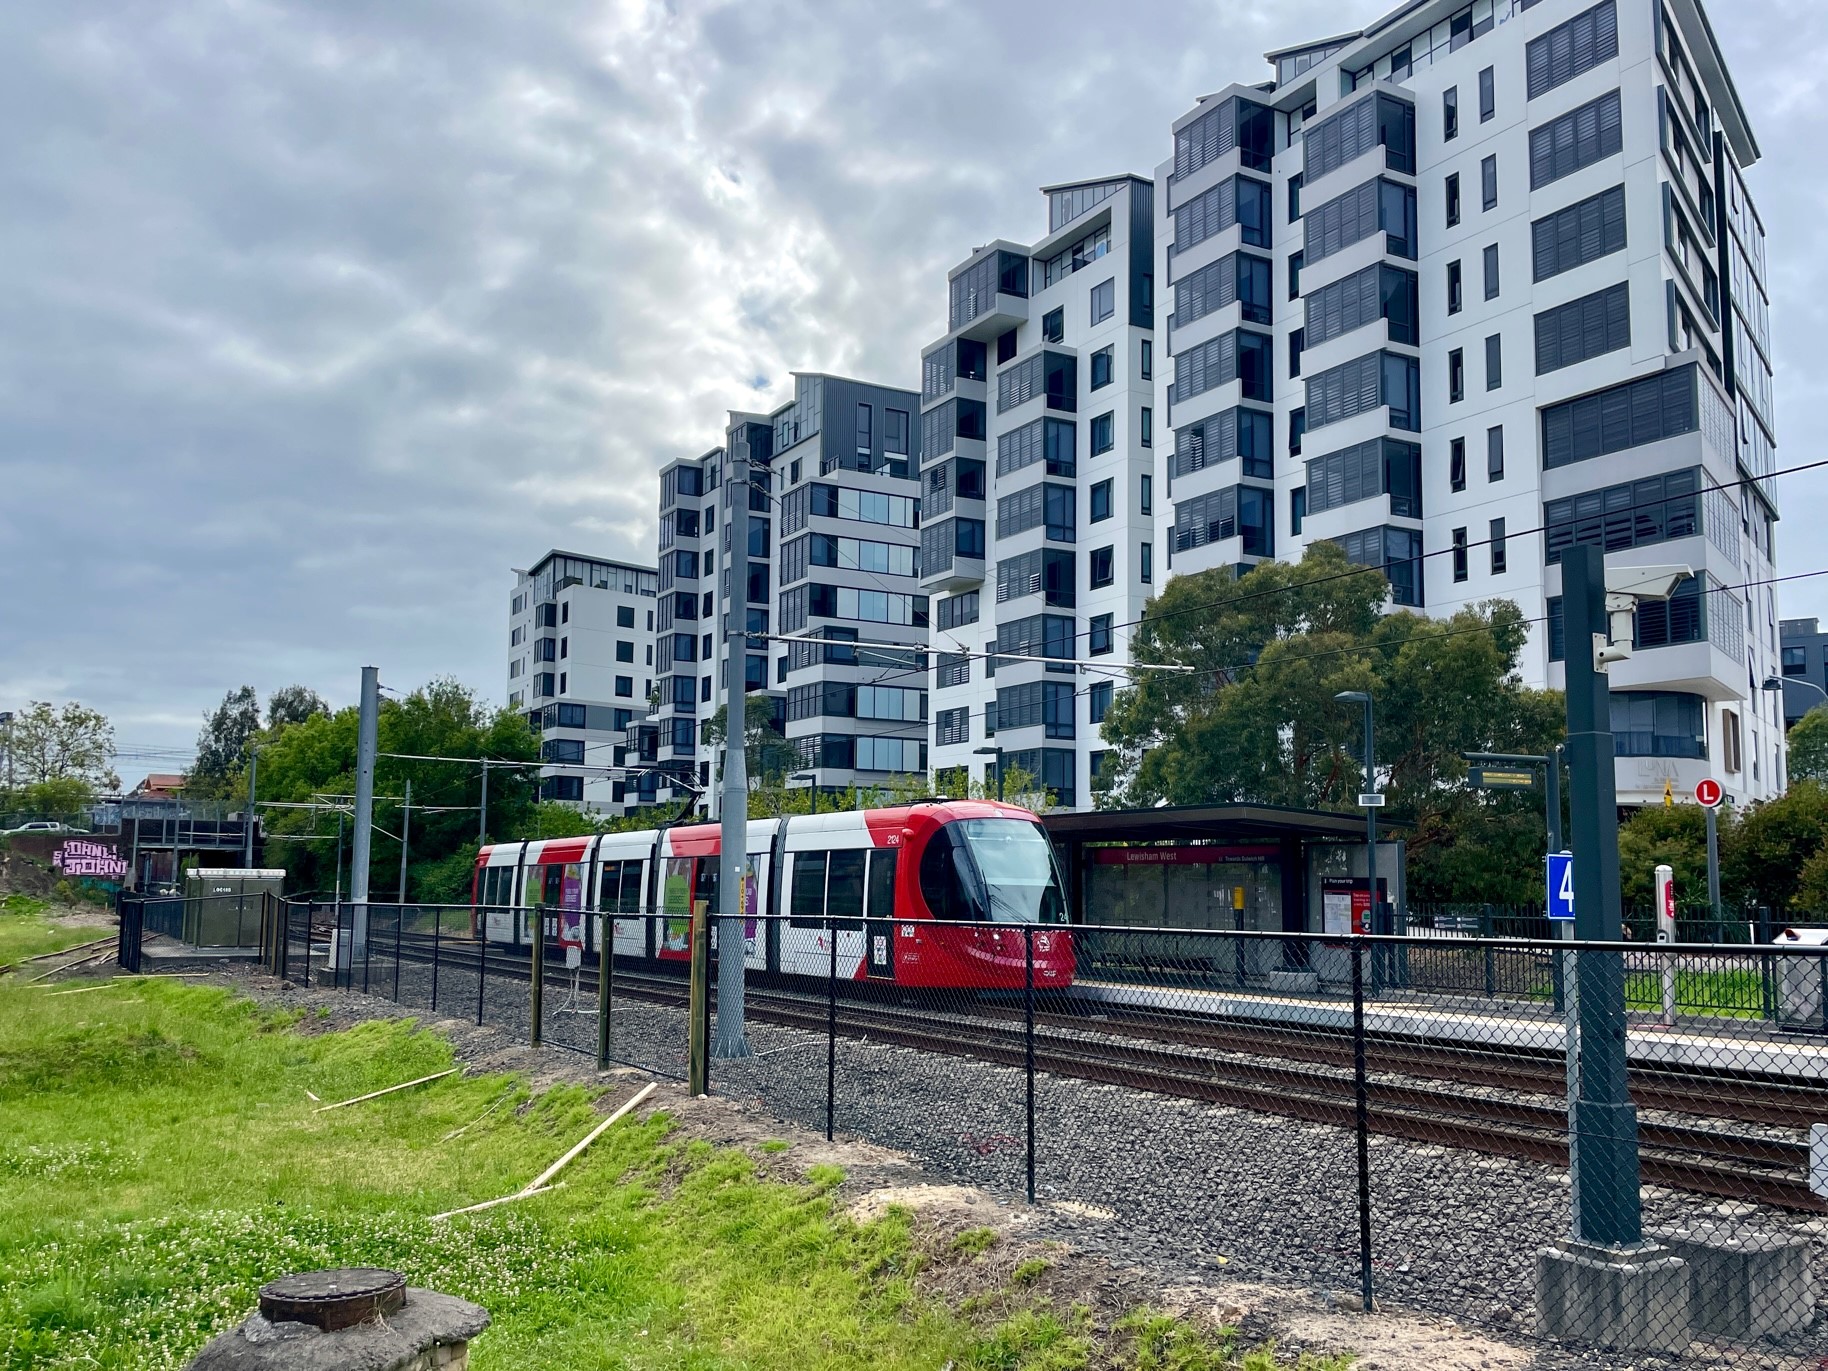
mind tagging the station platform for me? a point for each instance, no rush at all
(1695, 1043)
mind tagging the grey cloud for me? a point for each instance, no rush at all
(317, 317)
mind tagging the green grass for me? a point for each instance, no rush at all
(27, 930)
(159, 1160)
(1721, 994)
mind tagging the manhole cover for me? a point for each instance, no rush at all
(333, 1299)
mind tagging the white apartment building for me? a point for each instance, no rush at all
(833, 547)
(581, 666)
(1478, 271)
(1037, 486)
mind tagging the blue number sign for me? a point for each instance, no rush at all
(1561, 885)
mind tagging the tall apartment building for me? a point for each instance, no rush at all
(1037, 486)
(1479, 270)
(834, 531)
(580, 666)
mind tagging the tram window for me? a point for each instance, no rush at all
(609, 885)
(944, 882)
(845, 895)
(704, 885)
(631, 888)
(882, 882)
(554, 884)
(808, 904)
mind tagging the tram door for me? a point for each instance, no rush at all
(879, 917)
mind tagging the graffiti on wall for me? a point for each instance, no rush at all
(79, 857)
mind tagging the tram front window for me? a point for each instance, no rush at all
(1016, 864)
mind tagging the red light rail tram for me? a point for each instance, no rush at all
(884, 876)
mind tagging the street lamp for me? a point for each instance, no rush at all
(1369, 799)
(812, 780)
(1774, 684)
(996, 752)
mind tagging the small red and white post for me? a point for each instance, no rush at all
(1666, 934)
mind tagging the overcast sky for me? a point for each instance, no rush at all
(316, 318)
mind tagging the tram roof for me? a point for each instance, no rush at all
(1184, 823)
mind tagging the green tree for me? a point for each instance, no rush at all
(67, 798)
(1665, 835)
(1253, 718)
(767, 756)
(312, 764)
(1808, 742)
(1764, 855)
(222, 744)
(294, 704)
(70, 742)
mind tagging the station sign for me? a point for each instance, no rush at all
(1561, 885)
(1709, 792)
(1500, 778)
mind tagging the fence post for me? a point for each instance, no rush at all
(437, 948)
(536, 971)
(1028, 1016)
(698, 999)
(606, 975)
(367, 952)
(399, 919)
(1767, 989)
(831, 1028)
(482, 965)
(1491, 956)
(1362, 1118)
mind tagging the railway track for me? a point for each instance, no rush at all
(1246, 1066)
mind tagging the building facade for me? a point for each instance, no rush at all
(1037, 487)
(1474, 285)
(580, 666)
(1805, 666)
(832, 555)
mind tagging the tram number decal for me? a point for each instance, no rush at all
(879, 948)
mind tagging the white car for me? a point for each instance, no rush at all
(40, 826)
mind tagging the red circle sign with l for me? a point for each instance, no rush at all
(1708, 792)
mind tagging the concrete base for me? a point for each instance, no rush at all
(1744, 1285)
(1632, 1297)
(1292, 982)
(431, 1332)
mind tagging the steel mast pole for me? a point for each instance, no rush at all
(732, 885)
(1607, 1206)
(364, 807)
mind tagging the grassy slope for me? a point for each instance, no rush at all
(26, 930)
(159, 1160)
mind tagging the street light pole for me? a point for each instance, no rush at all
(996, 752)
(812, 781)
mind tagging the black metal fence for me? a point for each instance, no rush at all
(1343, 1112)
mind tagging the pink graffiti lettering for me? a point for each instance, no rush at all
(79, 858)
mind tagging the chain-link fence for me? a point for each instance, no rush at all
(1341, 1112)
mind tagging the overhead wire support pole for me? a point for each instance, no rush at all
(1607, 1204)
(368, 720)
(733, 885)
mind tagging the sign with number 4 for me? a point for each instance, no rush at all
(1561, 885)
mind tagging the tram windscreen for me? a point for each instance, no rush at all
(1016, 862)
